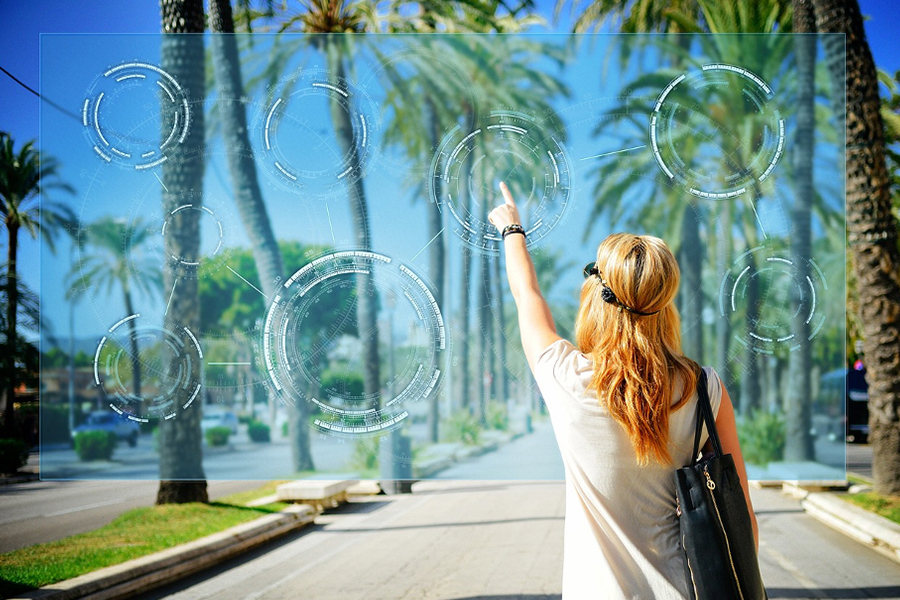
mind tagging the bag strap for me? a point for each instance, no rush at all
(704, 414)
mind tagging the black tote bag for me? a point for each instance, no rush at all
(716, 533)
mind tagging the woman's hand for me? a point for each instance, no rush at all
(506, 213)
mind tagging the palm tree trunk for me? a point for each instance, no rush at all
(245, 184)
(751, 390)
(132, 326)
(723, 324)
(501, 375)
(367, 324)
(872, 234)
(691, 264)
(180, 452)
(799, 443)
(436, 262)
(12, 303)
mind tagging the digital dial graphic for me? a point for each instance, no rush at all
(507, 146)
(314, 347)
(121, 115)
(716, 131)
(317, 135)
(773, 290)
(135, 353)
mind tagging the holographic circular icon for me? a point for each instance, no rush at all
(317, 134)
(507, 146)
(214, 224)
(146, 371)
(716, 131)
(315, 349)
(123, 112)
(769, 291)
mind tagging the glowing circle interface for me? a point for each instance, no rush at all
(121, 115)
(507, 146)
(133, 354)
(314, 347)
(718, 111)
(317, 136)
(774, 292)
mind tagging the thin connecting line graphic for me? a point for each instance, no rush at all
(328, 212)
(613, 152)
(247, 282)
(428, 244)
(170, 296)
(161, 182)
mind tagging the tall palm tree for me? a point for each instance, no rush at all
(111, 248)
(180, 453)
(23, 178)
(247, 193)
(872, 234)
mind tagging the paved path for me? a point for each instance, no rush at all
(454, 540)
(493, 541)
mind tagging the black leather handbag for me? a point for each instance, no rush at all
(716, 533)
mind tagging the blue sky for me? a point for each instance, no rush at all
(21, 24)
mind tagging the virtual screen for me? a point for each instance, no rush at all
(280, 263)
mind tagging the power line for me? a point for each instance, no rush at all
(48, 101)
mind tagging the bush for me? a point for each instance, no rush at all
(95, 445)
(258, 431)
(365, 454)
(463, 427)
(217, 436)
(762, 437)
(496, 416)
(13, 455)
(285, 429)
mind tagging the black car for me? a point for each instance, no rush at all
(857, 419)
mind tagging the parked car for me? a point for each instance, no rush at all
(217, 418)
(844, 395)
(107, 420)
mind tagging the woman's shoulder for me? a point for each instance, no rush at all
(564, 363)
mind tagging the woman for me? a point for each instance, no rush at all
(623, 406)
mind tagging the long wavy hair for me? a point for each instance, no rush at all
(636, 358)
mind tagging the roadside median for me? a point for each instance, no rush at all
(150, 547)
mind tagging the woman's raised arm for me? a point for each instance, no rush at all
(535, 321)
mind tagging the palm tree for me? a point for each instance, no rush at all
(112, 248)
(872, 234)
(23, 177)
(180, 457)
(247, 193)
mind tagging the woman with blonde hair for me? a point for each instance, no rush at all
(623, 404)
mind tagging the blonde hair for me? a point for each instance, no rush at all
(636, 357)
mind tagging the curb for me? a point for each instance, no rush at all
(152, 571)
(876, 532)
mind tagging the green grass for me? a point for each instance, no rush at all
(131, 535)
(886, 506)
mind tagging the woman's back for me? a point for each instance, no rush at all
(621, 537)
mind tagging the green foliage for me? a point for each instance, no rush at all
(496, 416)
(133, 534)
(886, 506)
(344, 382)
(258, 431)
(762, 437)
(365, 454)
(463, 427)
(217, 436)
(95, 445)
(13, 455)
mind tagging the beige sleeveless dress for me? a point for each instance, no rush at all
(621, 533)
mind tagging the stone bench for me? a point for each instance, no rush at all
(320, 494)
